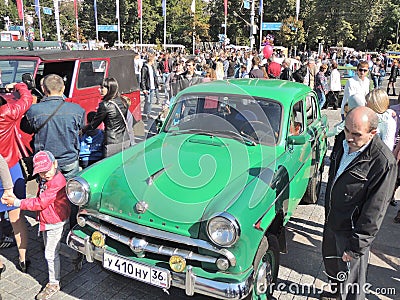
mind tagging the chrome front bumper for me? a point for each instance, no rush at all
(188, 281)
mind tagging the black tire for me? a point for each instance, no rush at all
(314, 187)
(267, 251)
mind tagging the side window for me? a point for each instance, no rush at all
(91, 73)
(311, 109)
(297, 119)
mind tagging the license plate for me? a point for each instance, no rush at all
(151, 275)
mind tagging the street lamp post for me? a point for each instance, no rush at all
(397, 32)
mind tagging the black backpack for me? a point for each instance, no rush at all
(299, 74)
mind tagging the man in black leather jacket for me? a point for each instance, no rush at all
(286, 73)
(361, 181)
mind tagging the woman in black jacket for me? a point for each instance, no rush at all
(112, 112)
(394, 71)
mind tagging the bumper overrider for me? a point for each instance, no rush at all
(186, 280)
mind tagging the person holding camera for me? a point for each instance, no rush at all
(11, 112)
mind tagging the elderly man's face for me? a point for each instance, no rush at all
(357, 132)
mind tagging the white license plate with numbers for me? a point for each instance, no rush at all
(151, 275)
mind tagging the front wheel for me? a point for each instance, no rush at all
(266, 267)
(314, 187)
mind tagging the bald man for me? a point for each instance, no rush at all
(361, 181)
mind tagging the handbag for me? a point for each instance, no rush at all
(128, 120)
(26, 162)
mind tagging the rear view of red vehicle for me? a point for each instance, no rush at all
(83, 73)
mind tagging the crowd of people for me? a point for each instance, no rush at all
(64, 142)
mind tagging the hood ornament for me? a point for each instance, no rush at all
(141, 207)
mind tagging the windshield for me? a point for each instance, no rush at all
(252, 118)
(12, 70)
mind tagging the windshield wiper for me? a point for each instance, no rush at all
(226, 133)
(192, 130)
(239, 136)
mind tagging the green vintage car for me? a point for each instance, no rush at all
(202, 205)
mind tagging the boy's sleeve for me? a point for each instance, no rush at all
(43, 200)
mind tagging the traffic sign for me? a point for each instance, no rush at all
(271, 25)
(15, 28)
(47, 11)
(107, 28)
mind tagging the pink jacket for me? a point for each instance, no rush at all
(51, 203)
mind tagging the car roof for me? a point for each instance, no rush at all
(282, 91)
(70, 54)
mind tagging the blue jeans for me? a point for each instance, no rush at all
(148, 101)
(321, 98)
(164, 77)
(376, 81)
(70, 170)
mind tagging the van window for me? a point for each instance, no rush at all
(91, 73)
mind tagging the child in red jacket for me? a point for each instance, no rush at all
(53, 210)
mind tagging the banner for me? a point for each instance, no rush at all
(139, 8)
(95, 11)
(117, 9)
(297, 9)
(193, 6)
(20, 7)
(226, 7)
(37, 7)
(76, 9)
(164, 7)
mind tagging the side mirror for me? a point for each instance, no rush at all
(297, 139)
(28, 79)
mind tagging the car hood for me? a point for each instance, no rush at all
(177, 177)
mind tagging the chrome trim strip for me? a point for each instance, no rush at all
(140, 246)
(195, 284)
(162, 235)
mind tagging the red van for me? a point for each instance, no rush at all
(82, 71)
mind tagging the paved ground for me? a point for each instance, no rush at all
(301, 268)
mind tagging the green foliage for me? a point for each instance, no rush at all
(361, 24)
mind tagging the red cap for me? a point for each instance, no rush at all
(42, 161)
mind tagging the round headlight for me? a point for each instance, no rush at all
(78, 191)
(223, 230)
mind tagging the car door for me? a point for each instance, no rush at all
(316, 129)
(296, 159)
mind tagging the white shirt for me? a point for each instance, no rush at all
(151, 77)
(334, 81)
(347, 157)
(387, 128)
(355, 86)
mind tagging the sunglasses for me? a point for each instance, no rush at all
(362, 70)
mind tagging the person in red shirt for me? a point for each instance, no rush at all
(11, 112)
(274, 69)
